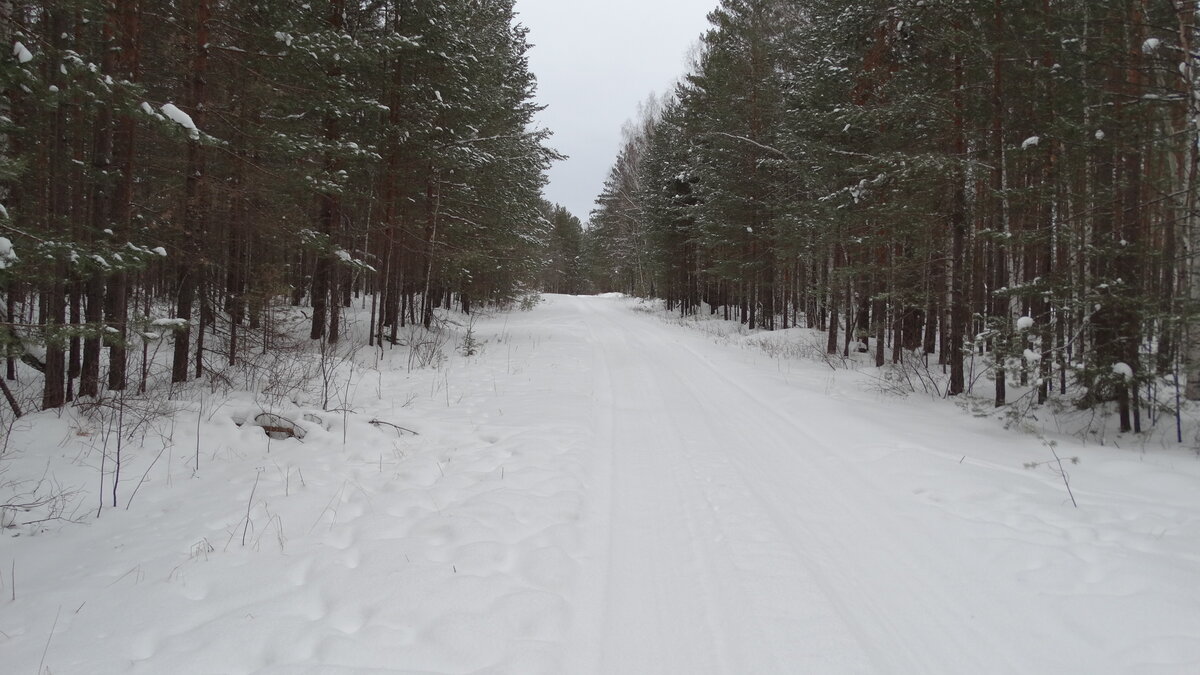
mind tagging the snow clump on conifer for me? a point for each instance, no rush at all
(1123, 370)
(8, 257)
(182, 119)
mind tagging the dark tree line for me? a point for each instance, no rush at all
(563, 264)
(170, 169)
(1009, 183)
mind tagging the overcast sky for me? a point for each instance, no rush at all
(595, 61)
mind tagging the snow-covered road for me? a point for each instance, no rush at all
(761, 528)
(598, 491)
(705, 572)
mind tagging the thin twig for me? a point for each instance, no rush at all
(1066, 480)
(249, 503)
(120, 443)
(146, 473)
(395, 426)
(49, 637)
(199, 414)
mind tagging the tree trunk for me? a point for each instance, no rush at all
(958, 231)
(1189, 29)
(193, 210)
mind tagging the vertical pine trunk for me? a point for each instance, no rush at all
(999, 305)
(235, 251)
(189, 272)
(958, 233)
(1189, 29)
(12, 292)
(10, 194)
(879, 323)
(432, 205)
(329, 216)
(53, 304)
(831, 344)
(89, 383)
(117, 297)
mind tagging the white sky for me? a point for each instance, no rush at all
(595, 62)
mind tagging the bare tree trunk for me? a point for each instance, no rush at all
(831, 345)
(53, 305)
(999, 264)
(117, 299)
(958, 227)
(89, 382)
(433, 197)
(329, 215)
(193, 210)
(1188, 14)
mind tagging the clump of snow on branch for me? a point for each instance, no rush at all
(1123, 370)
(149, 110)
(8, 257)
(22, 53)
(1030, 142)
(170, 323)
(182, 119)
(344, 256)
(1025, 323)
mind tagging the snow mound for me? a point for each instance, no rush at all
(279, 427)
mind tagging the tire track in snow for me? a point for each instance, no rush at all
(699, 580)
(778, 498)
(891, 595)
(656, 617)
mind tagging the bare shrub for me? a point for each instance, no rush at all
(426, 348)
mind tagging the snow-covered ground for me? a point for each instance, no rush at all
(599, 491)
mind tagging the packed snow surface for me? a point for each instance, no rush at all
(596, 490)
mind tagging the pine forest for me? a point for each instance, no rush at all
(177, 171)
(1006, 189)
(600, 337)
